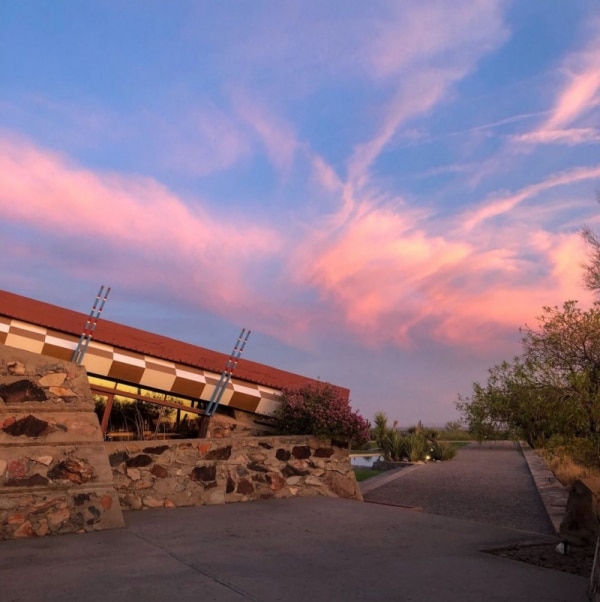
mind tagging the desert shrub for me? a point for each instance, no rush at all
(442, 451)
(416, 447)
(318, 409)
(393, 446)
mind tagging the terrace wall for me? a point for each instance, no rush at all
(57, 475)
(192, 472)
(54, 472)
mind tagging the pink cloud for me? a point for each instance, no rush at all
(152, 235)
(385, 275)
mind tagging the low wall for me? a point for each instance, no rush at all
(54, 472)
(156, 474)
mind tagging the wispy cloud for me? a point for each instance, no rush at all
(499, 205)
(200, 141)
(571, 137)
(578, 96)
(427, 49)
(275, 134)
(150, 234)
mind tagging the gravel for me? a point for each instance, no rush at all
(488, 483)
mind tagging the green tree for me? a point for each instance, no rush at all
(553, 388)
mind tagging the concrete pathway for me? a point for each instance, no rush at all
(296, 550)
(489, 483)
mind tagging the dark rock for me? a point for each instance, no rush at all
(204, 474)
(292, 471)
(283, 454)
(323, 452)
(159, 471)
(77, 521)
(259, 478)
(118, 458)
(94, 512)
(222, 453)
(32, 481)
(230, 487)
(21, 391)
(138, 461)
(245, 487)
(265, 445)
(580, 524)
(81, 498)
(344, 444)
(74, 470)
(30, 426)
(157, 451)
(257, 467)
(301, 452)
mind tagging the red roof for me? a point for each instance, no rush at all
(146, 343)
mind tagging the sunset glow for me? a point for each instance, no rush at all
(384, 196)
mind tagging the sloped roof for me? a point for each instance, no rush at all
(72, 322)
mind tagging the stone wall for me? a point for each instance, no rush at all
(54, 472)
(156, 474)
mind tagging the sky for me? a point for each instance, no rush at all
(382, 191)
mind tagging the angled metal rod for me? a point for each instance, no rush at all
(90, 326)
(225, 378)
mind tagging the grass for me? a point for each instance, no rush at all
(458, 444)
(362, 474)
(572, 461)
(455, 435)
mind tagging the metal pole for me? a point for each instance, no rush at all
(90, 326)
(217, 394)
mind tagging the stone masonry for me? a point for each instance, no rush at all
(192, 472)
(57, 475)
(54, 471)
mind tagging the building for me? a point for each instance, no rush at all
(133, 364)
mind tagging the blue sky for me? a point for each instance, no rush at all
(383, 192)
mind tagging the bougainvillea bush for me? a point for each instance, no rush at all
(318, 409)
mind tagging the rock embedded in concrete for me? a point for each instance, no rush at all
(30, 426)
(221, 453)
(21, 391)
(75, 470)
(283, 454)
(301, 452)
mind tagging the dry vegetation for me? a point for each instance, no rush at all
(572, 461)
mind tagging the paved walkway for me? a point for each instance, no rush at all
(489, 483)
(294, 550)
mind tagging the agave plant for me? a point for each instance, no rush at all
(442, 451)
(416, 447)
(393, 446)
